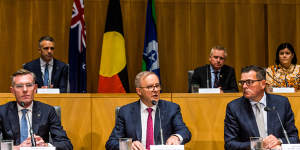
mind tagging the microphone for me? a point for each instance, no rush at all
(33, 142)
(284, 131)
(160, 128)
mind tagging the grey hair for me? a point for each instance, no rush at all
(140, 76)
(220, 48)
(21, 72)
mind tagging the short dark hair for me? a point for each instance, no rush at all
(283, 46)
(21, 72)
(260, 72)
(46, 38)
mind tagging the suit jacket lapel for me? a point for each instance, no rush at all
(270, 115)
(55, 67)
(209, 76)
(36, 117)
(252, 121)
(14, 121)
(136, 115)
(38, 71)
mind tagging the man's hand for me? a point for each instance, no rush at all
(271, 142)
(26, 143)
(45, 87)
(137, 145)
(40, 142)
(173, 140)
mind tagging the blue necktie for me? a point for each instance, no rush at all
(24, 127)
(46, 75)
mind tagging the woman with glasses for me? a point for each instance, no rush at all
(285, 72)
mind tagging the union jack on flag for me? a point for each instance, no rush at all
(77, 49)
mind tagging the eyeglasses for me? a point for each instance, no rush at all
(21, 86)
(46, 48)
(152, 87)
(248, 82)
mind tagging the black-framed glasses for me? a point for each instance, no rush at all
(248, 82)
(46, 48)
(152, 87)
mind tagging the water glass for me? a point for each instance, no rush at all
(7, 144)
(125, 143)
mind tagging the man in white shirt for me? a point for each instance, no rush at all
(50, 72)
(140, 120)
(18, 117)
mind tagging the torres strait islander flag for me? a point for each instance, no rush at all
(150, 55)
(113, 76)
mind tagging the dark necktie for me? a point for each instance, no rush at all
(24, 127)
(149, 134)
(46, 76)
(216, 83)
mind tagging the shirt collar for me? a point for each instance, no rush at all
(212, 69)
(43, 63)
(21, 108)
(262, 101)
(144, 107)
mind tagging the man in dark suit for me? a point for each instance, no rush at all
(246, 116)
(135, 119)
(17, 116)
(49, 72)
(216, 74)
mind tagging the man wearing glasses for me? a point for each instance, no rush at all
(255, 114)
(141, 120)
(50, 72)
(18, 117)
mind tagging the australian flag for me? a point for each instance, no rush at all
(150, 55)
(77, 49)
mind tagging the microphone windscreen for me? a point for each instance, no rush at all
(154, 102)
(22, 104)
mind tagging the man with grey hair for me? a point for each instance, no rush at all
(216, 74)
(20, 116)
(50, 72)
(143, 119)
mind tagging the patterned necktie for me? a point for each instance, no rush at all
(24, 127)
(46, 76)
(260, 119)
(149, 134)
(216, 83)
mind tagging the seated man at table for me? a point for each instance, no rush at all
(216, 74)
(138, 120)
(49, 71)
(16, 117)
(255, 114)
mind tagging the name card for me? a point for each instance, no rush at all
(166, 147)
(209, 90)
(290, 146)
(37, 148)
(283, 90)
(48, 91)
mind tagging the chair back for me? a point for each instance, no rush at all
(190, 75)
